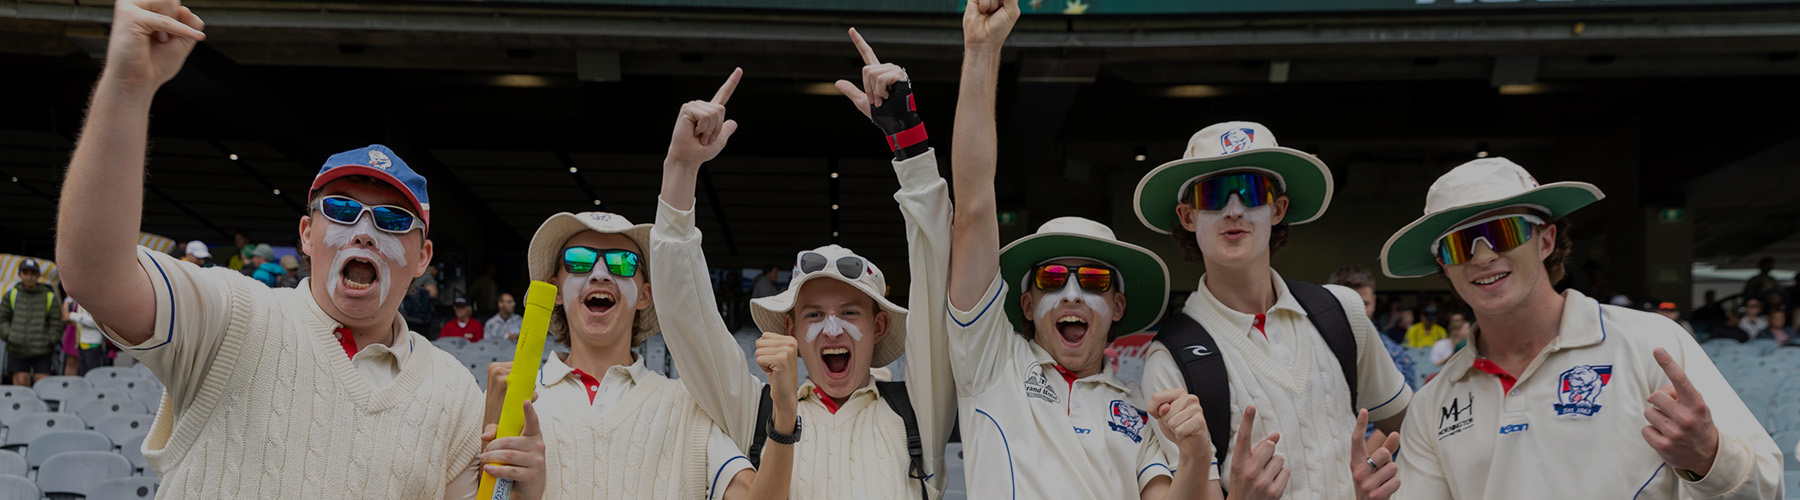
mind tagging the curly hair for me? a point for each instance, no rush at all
(1190, 245)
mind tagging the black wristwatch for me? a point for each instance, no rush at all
(778, 437)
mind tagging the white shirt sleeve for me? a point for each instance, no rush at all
(1421, 475)
(723, 461)
(1748, 464)
(924, 200)
(1153, 458)
(1441, 351)
(712, 365)
(1162, 373)
(1381, 387)
(193, 308)
(981, 341)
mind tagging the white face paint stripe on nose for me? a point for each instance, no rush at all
(1071, 290)
(387, 247)
(833, 326)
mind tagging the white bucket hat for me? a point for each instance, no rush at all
(545, 253)
(770, 313)
(1467, 191)
(1229, 146)
(1143, 276)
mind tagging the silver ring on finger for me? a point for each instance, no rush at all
(1372, 464)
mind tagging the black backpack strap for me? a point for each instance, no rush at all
(1203, 370)
(1333, 322)
(894, 393)
(763, 410)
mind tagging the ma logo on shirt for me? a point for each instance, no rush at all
(1456, 416)
(1037, 385)
(1578, 390)
(1128, 420)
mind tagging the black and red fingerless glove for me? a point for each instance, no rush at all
(898, 119)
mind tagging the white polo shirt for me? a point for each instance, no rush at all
(558, 380)
(1031, 430)
(1285, 368)
(1571, 425)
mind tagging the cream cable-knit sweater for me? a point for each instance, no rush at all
(283, 414)
(652, 445)
(858, 452)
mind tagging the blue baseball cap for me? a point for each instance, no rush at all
(381, 163)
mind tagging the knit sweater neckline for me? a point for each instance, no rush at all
(412, 368)
(1209, 312)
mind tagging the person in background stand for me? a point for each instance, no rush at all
(463, 325)
(1362, 280)
(505, 324)
(197, 254)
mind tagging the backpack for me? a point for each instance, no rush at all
(12, 300)
(1203, 369)
(894, 393)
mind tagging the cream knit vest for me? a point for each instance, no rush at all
(283, 414)
(1307, 403)
(651, 445)
(859, 452)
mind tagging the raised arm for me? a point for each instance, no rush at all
(975, 242)
(711, 363)
(887, 100)
(150, 39)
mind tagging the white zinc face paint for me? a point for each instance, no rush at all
(387, 247)
(574, 285)
(1071, 290)
(833, 326)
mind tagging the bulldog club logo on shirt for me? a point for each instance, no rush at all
(1127, 420)
(1038, 386)
(1237, 139)
(1578, 390)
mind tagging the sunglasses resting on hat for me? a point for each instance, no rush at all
(851, 267)
(1214, 192)
(619, 262)
(346, 210)
(1501, 232)
(1050, 277)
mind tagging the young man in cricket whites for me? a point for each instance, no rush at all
(316, 392)
(1295, 359)
(856, 438)
(1558, 396)
(1042, 413)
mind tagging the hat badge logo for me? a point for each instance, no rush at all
(1235, 140)
(380, 160)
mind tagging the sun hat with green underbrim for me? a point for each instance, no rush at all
(1235, 146)
(1470, 190)
(1141, 274)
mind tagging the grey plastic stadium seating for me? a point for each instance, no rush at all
(96, 375)
(101, 410)
(13, 391)
(77, 472)
(18, 488)
(13, 464)
(133, 450)
(12, 409)
(121, 428)
(51, 444)
(124, 488)
(127, 383)
(60, 387)
(31, 426)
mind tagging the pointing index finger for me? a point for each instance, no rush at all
(862, 47)
(1684, 388)
(730, 86)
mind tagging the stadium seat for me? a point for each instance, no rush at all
(98, 374)
(150, 395)
(13, 464)
(77, 472)
(124, 488)
(133, 450)
(79, 399)
(31, 426)
(13, 408)
(127, 383)
(13, 391)
(18, 488)
(121, 428)
(55, 443)
(96, 411)
(143, 370)
(60, 387)
(1784, 441)
(1792, 479)
(449, 343)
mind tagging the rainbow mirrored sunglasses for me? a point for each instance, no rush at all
(1254, 188)
(581, 260)
(1501, 232)
(1049, 277)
